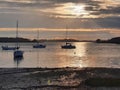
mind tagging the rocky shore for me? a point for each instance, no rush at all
(58, 78)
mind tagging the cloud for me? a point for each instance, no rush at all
(43, 3)
(110, 11)
(96, 7)
(44, 13)
(106, 8)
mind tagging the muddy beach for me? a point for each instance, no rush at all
(58, 78)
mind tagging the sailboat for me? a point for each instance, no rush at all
(9, 48)
(68, 45)
(39, 45)
(6, 47)
(17, 53)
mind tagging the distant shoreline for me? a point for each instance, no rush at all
(115, 40)
(13, 40)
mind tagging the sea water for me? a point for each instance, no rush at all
(86, 54)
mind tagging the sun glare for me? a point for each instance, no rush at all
(69, 10)
(78, 10)
(74, 9)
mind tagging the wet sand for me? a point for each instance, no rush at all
(55, 78)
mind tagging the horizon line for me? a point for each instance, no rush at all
(59, 29)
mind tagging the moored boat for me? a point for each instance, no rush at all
(17, 53)
(68, 46)
(39, 45)
(9, 47)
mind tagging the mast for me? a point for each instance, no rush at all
(66, 34)
(17, 33)
(38, 35)
(17, 29)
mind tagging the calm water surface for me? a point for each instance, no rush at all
(87, 54)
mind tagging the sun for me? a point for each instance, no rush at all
(77, 10)
(73, 9)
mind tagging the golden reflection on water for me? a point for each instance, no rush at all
(72, 57)
(81, 49)
(81, 52)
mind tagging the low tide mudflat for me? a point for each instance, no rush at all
(58, 78)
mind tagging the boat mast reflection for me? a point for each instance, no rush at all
(17, 61)
(37, 65)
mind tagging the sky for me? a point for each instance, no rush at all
(60, 13)
(85, 15)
